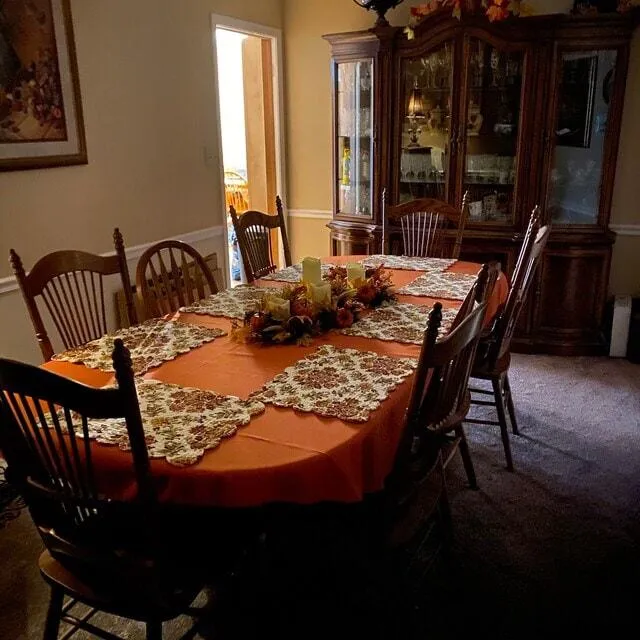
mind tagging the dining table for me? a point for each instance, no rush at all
(282, 454)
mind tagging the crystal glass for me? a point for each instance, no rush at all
(493, 118)
(354, 117)
(426, 126)
(581, 125)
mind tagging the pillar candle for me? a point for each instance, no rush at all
(279, 308)
(311, 270)
(321, 294)
(355, 274)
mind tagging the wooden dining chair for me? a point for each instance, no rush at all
(450, 361)
(416, 487)
(494, 356)
(70, 284)
(253, 230)
(100, 552)
(171, 274)
(430, 228)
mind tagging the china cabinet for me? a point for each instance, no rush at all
(515, 114)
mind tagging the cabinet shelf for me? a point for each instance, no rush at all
(489, 185)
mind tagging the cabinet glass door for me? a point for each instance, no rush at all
(580, 127)
(493, 114)
(426, 124)
(354, 146)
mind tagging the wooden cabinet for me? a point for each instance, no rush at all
(514, 114)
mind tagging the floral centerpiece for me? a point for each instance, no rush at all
(296, 313)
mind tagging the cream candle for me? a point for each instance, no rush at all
(355, 274)
(321, 294)
(311, 270)
(279, 308)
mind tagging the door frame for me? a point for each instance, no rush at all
(275, 35)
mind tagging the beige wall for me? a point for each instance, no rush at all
(307, 60)
(308, 237)
(146, 76)
(146, 69)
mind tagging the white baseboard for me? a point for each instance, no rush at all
(626, 229)
(9, 283)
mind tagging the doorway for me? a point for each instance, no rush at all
(248, 73)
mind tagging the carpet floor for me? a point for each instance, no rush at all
(551, 549)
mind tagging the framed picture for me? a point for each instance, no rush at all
(576, 100)
(40, 106)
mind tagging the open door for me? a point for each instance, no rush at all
(248, 103)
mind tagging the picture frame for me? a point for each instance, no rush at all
(577, 99)
(41, 120)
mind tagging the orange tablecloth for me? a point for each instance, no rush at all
(281, 455)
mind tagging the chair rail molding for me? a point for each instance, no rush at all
(313, 214)
(9, 283)
(626, 229)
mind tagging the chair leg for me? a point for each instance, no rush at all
(466, 457)
(504, 432)
(154, 630)
(509, 399)
(54, 612)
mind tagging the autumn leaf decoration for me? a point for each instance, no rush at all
(495, 10)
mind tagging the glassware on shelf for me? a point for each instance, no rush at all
(493, 114)
(427, 83)
(474, 119)
(495, 67)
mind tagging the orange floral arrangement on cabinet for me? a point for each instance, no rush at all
(494, 9)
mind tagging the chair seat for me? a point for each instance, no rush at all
(130, 599)
(482, 369)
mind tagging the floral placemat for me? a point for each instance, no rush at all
(410, 264)
(450, 286)
(292, 273)
(230, 303)
(338, 383)
(150, 343)
(180, 423)
(399, 323)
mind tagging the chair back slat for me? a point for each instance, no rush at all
(70, 285)
(425, 226)
(527, 244)
(191, 291)
(532, 248)
(44, 435)
(172, 274)
(253, 230)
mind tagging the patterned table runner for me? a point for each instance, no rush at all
(292, 273)
(341, 383)
(180, 423)
(230, 303)
(399, 323)
(450, 286)
(150, 343)
(411, 264)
